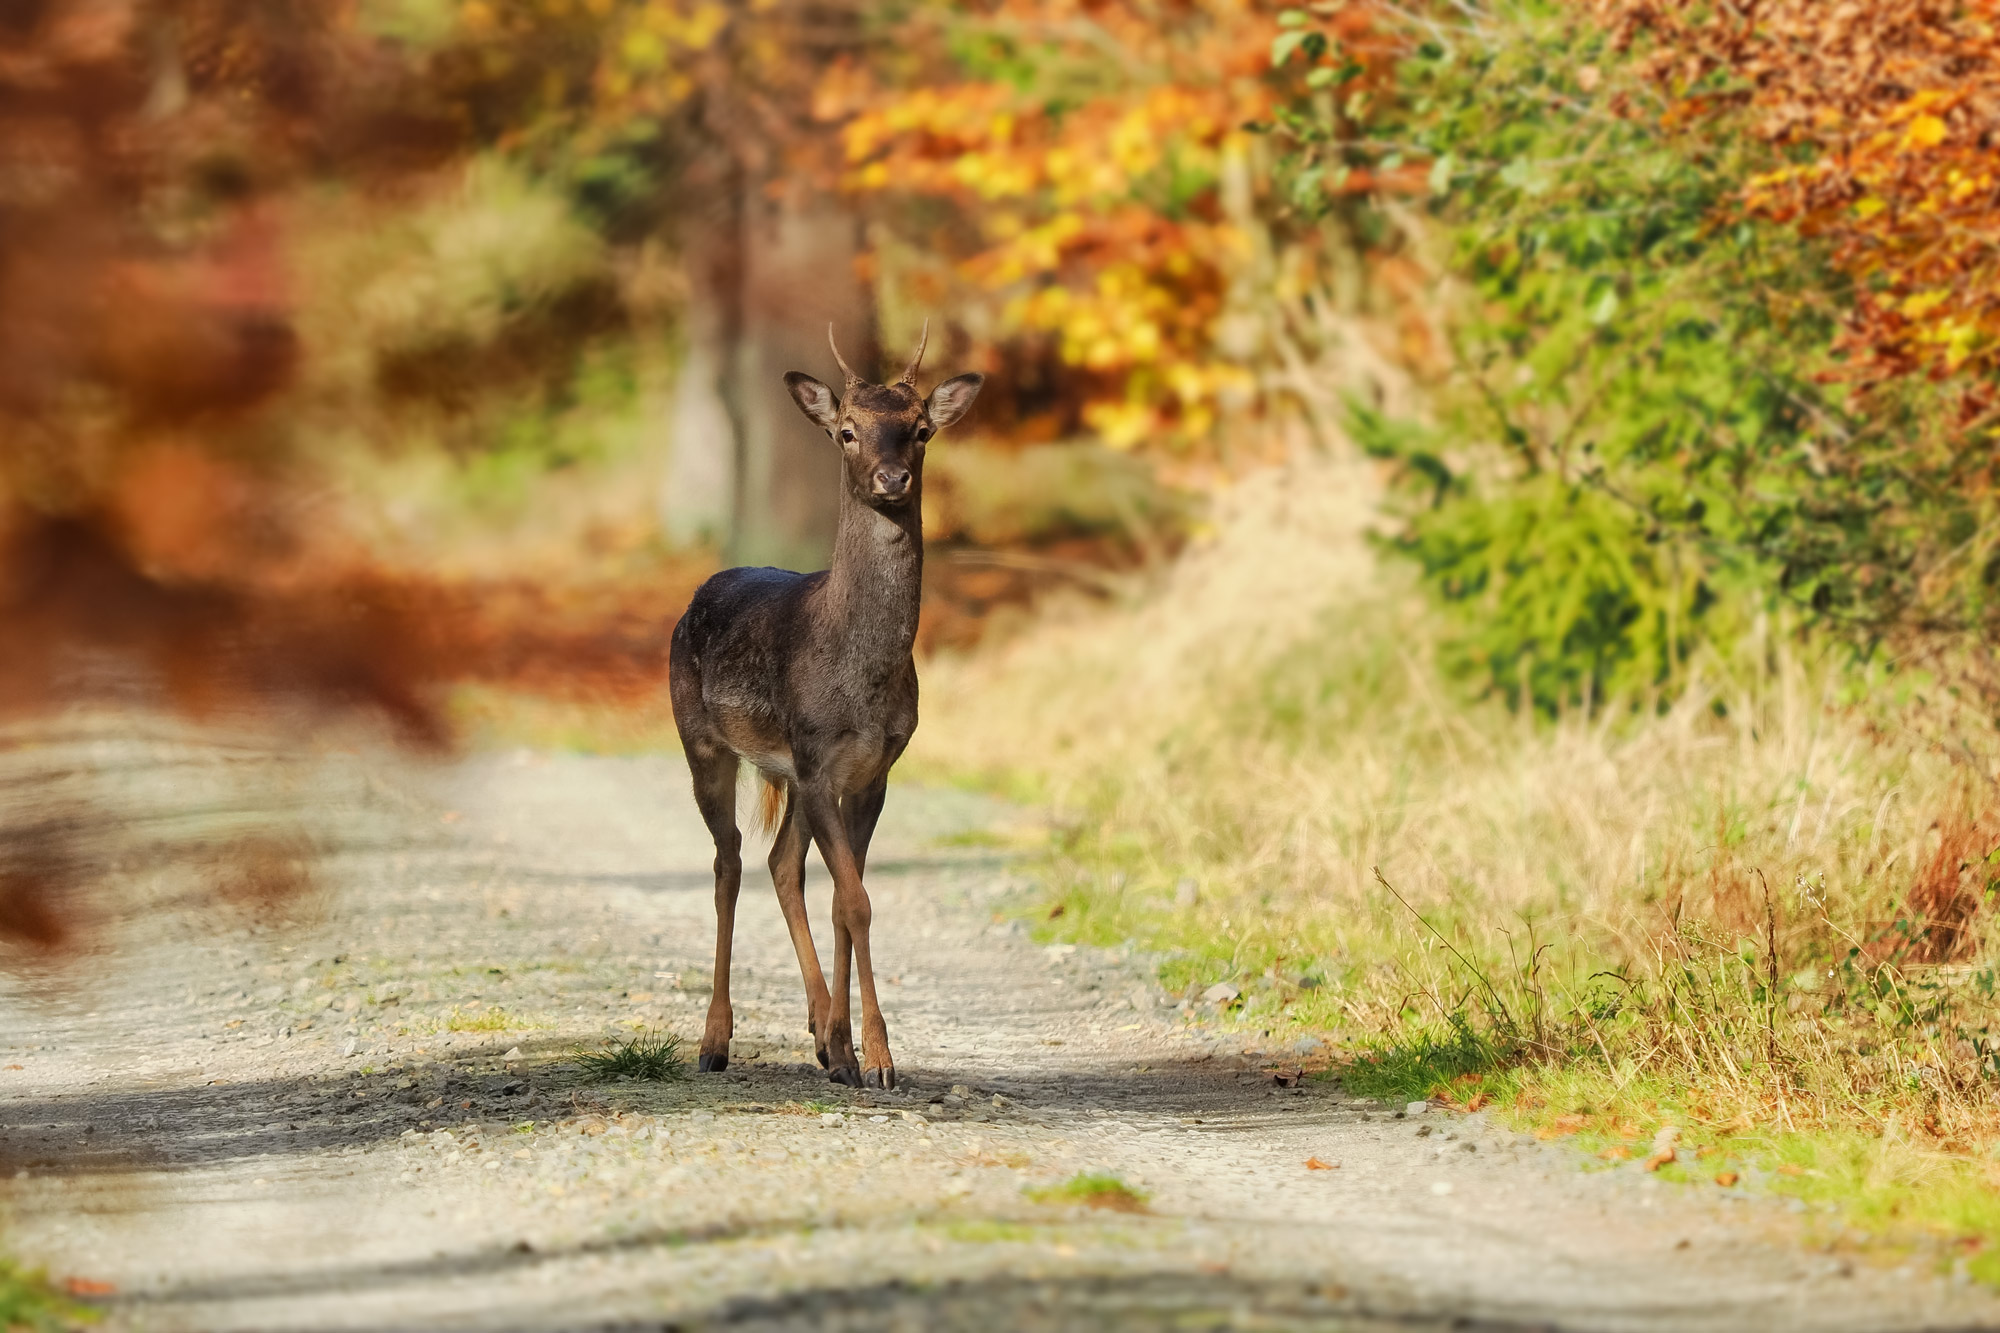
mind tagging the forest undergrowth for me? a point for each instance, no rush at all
(1754, 918)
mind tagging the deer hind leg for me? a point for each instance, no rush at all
(715, 794)
(851, 915)
(788, 876)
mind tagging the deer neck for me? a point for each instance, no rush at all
(876, 582)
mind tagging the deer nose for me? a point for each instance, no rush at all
(892, 480)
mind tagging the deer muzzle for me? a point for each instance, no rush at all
(892, 483)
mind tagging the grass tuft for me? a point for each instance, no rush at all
(1093, 1190)
(650, 1057)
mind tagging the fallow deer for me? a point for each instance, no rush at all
(810, 678)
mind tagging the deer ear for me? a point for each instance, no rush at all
(814, 399)
(953, 399)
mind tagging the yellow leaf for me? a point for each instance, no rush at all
(1924, 132)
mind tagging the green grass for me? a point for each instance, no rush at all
(28, 1301)
(649, 1057)
(489, 1019)
(1092, 1190)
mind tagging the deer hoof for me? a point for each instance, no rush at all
(713, 1064)
(845, 1075)
(884, 1078)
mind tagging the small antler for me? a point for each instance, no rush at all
(845, 369)
(910, 374)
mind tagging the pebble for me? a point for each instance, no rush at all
(1417, 1108)
(1220, 993)
(831, 1119)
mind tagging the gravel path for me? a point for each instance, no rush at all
(372, 1118)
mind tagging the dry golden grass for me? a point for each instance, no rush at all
(1766, 898)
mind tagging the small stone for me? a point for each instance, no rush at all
(1440, 1187)
(1424, 1131)
(513, 1053)
(1468, 1146)
(491, 1166)
(701, 1115)
(832, 1119)
(350, 1048)
(960, 1090)
(878, 1119)
(1416, 1108)
(592, 1127)
(1186, 894)
(1002, 1102)
(1220, 993)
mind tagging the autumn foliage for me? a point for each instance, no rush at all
(1109, 194)
(1882, 119)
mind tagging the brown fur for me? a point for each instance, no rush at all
(770, 807)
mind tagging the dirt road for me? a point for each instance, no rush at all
(374, 1119)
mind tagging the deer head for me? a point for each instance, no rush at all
(882, 428)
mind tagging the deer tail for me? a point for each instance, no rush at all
(770, 814)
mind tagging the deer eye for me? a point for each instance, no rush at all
(923, 433)
(847, 435)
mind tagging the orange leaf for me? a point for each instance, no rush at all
(1659, 1159)
(1617, 1152)
(1726, 1178)
(1479, 1100)
(83, 1286)
(1789, 1170)
(1314, 1164)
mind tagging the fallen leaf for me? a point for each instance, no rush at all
(1057, 911)
(1314, 1164)
(16, 1066)
(1787, 1169)
(1285, 1078)
(83, 1286)
(1659, 1159)
(1726, 1178)
(1562, 1124)
(1617, 1152)
(1479, 1101)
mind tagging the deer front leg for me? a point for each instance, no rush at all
(851, 917)
(788, 876)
